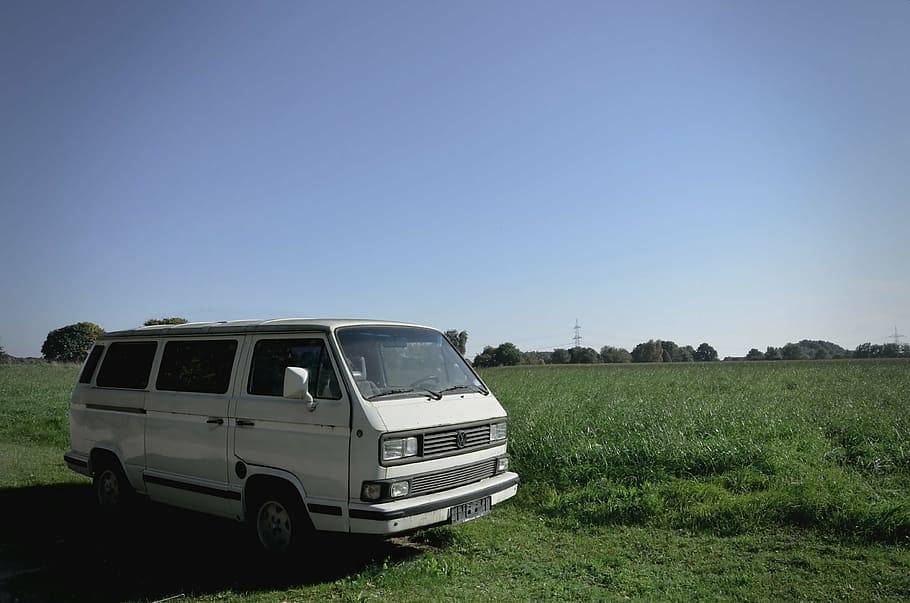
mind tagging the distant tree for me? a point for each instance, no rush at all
(537, 357)
(863, 350)
(170, 320)
(70, 343)
(559, 356)
(685, 353)
(755, 354)
(485, 358)
(580, 355)
(649, 351)
(674, 353)
(507, 355)
(793, 351)
(890, 350)
(613, 355)
(459, 339)
(773, 353)
(819, 349)
(668, 349)
(875, 350)
(532, 358)
(705, 353)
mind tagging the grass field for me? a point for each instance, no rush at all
(729, 481)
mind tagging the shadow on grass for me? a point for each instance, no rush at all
(55, 546)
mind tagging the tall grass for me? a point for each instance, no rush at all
(725, 448)
(722, 448)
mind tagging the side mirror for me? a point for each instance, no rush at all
(296, 385)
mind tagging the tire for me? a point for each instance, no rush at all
(112, 490)
(279, 521)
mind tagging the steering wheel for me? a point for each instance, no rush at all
(430, 377)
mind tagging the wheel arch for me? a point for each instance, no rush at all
(100, 456)
(98, 453)
(263, 478)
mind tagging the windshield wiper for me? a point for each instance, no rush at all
(432, 394)
(406, 390)
(390, 392)
(457, 387)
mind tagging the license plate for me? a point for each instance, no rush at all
(470, 510)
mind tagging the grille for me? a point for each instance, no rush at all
(452, 478)
(440, 442)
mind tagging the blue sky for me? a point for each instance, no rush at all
(730, 172)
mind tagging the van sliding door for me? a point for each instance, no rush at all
(186, 428)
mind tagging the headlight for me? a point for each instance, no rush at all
(502, 464)
(398, 448)
(371, 491)
(398, 489)
(498, 431)
(378, 491)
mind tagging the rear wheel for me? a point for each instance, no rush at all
(279, 521)
(113, 492)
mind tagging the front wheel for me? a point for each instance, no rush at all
(280, 522)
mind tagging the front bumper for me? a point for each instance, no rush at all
(433, 509)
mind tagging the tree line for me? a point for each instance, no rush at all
(653, 350)
(71, 343)
(659, 350)
(809, 349)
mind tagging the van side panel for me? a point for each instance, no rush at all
(180, 441)
(295, 447)
(113, 420)
(79, 441)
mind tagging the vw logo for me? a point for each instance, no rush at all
(461, 439)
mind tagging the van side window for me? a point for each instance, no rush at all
(127, 365)
(197, 366)
(91, 364)
(272, 356)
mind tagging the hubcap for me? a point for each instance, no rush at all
(109, 488)
(273, 525)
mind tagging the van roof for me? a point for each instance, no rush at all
(225, 327)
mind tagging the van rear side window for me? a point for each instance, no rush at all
(91, 364)
(127, 365)
(197, 366)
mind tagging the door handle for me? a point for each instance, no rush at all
(245, 423)
(215, 421)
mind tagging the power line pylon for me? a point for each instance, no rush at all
(896, 337)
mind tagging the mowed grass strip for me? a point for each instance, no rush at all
(34, 403)
(723, 448)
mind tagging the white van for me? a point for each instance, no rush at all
(293, 425)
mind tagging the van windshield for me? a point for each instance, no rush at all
(403, 361)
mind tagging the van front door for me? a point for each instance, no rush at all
(186, 433)
(309, 441)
